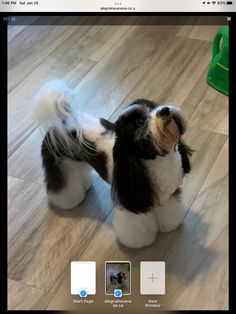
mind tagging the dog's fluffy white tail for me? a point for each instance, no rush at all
(54, 104)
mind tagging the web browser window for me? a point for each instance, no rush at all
(117, 154)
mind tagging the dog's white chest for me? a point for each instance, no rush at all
(166, 174)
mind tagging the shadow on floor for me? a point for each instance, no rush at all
(183, 250)
(96, 205)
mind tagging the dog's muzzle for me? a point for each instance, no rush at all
(168, 112)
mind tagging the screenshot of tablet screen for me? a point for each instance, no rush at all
(120, 201)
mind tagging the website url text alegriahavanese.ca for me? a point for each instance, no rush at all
(117, 8)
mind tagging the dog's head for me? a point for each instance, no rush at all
(147, 129)
(143, 131)
(121, 277)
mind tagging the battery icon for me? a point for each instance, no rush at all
(229, 2)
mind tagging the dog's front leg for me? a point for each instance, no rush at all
(171, 213)
(134, 230)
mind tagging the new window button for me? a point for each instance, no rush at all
(152, 278)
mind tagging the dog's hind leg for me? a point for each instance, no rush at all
(66, 180)
(75, 182)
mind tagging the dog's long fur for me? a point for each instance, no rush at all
(142, 155)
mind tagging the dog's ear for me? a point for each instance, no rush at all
(131, 186)
(185, 152)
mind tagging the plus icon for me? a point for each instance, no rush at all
(152, 277)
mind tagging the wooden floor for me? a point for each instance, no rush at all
(109, 66)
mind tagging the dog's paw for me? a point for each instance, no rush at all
(66, 200)
(170, 215)
(170, 220)
(135, 230)
(169, 226)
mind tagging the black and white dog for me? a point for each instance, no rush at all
(142, 156)
(119, 278)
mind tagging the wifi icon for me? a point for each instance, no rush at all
(214, 2)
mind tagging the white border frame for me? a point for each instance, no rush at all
(79, 261)
(118, 262)
(140, 277)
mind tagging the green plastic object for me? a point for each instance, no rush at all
(218, 72)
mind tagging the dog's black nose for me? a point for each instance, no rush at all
(164, 112)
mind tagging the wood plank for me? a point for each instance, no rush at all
(22, 23)
(42, 248)
(36, 42)
(110, 30)
(23, 199)
(98, 39)
(207, 285)
(23, 297)
(199, 32)
(13, 31)
(26, 162)
(90, 49)
(108, 83)
(206, 107)
(212, 116)
(207, 146)
(104, 246)
(172, 73)
(32, 46)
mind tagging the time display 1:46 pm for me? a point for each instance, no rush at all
(20, 2)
